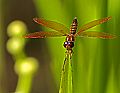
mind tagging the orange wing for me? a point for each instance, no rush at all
(97, 35)
(92, 24)
(43, 34)
(53, 25)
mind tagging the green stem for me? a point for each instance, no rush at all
(24, 84)
(66, 76)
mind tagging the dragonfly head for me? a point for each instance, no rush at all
(68, 45)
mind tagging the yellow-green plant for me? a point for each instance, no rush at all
(25, 67)
(95, 62)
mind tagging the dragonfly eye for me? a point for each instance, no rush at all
(65, 44)
(68, 44)
(71, 44)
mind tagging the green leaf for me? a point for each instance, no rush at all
(66, 76)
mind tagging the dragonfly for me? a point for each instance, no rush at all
(71, 34)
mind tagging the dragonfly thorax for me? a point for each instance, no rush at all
(70, 38)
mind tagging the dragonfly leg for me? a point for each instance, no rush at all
(68, 55)
(69, 52)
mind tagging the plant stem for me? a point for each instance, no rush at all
(66, 76)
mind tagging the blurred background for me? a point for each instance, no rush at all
(34, 65)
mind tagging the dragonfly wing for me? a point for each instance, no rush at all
(92, 24)
(97, 35)
(43, 34)
(53, 25)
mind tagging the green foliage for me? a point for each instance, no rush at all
(95, 61)
(66, 76)
(25, 67)
(15, 45)
(16, 28)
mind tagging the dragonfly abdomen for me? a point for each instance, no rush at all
(73, 26)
